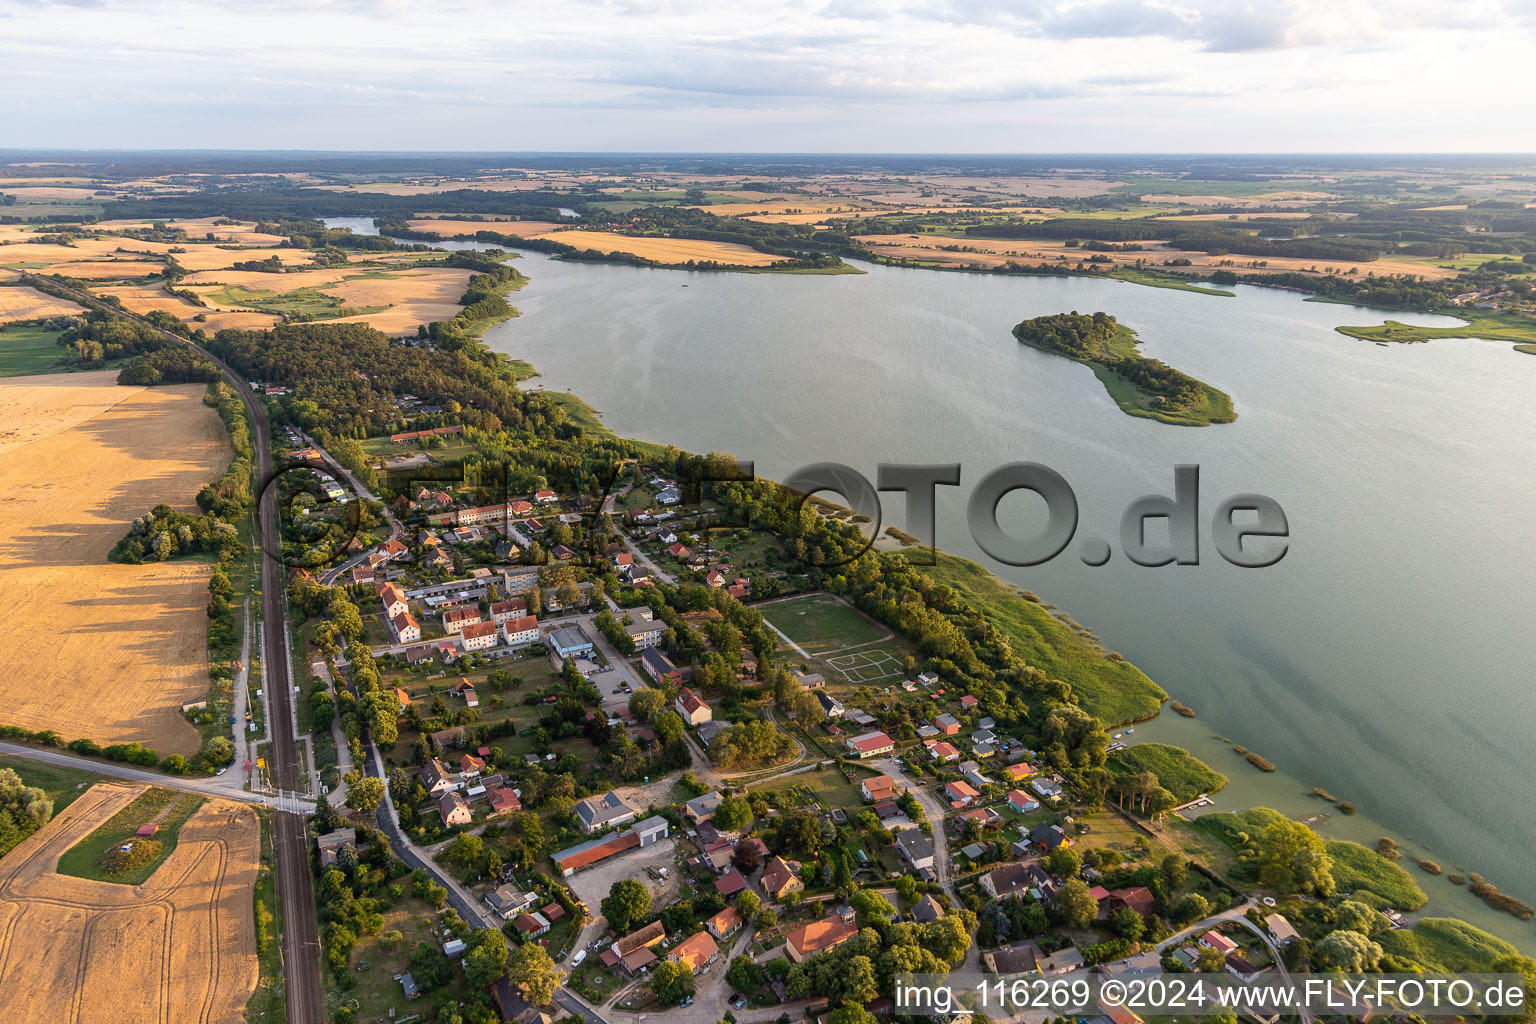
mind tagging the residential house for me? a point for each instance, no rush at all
(967, 702)
(972, 772)
(1018, 772)
(633, 951)
(438, 779)
(599, 812)
(928, 678)
(465, 689)
(405, 628)
(819, 937)
(944, 752)
(1046, 788)
(479, 637)
(960, 793)
(780, 879)
(915, 848)
(546, 497)
(871, 744)
(880, 787)
(1213, 939)
(730, 883)
(394, 600)
(696, 952)
(829, 704)
(455, 619)
(1011, 880)
(660, 668)
(1281, 929)
(501, 800)
(701, 807)
(724, 924)
(692, 707)
(453, 810)
(947, 724)
(403, 698)
(1049, 837)
(521, 631)
(514, 608)
(1138, 898)
(986, 817)
(1022, 801)
(469, 764)
(927, 909)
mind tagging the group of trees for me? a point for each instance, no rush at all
(23, 809)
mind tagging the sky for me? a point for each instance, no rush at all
(909, 76)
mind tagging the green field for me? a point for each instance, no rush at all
(83, 860)
(1164, 279)
(821, 623)
(28, 350)
(1181, 773)
(1115, 692)
(1445, 944)
(300, 302)
(61, 784)
(1357, 869)
(1479, 324)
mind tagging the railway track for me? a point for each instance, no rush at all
(295, 887)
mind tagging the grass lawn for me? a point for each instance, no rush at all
(168, 808)
(821, 623)
(1181, 773)
(1479, 324)
(60, 783)
(1115, 692)
(826, 786)
(269, 1000)
(1357, 868)
(27, 350)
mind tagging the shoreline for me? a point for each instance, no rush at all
(1446, 899)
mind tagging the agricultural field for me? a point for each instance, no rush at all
(19, 302)
(114, 650)
(821, 624)
(146, 298)
(966, 251)
(505, 225)
(26, 349)
(666, 250)
(391, 301)
(181, 946)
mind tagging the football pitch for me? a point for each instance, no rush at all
(821, 624)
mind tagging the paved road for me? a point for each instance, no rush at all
(215, 786)
(301, 943)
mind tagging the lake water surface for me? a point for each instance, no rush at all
(1386, 659)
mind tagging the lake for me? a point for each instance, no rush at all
(1385, 659)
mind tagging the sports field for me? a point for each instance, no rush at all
(873, 666)
(822, 624)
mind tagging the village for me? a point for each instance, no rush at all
(572, 779)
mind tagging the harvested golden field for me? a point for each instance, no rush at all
(33, 193)
(985, 252)
(106, 270)
(19, 302)
(665, 250)
(103, 651)
(181, 947)
(451, 228)
(145, 298)
(244, 232)
(413, 297)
